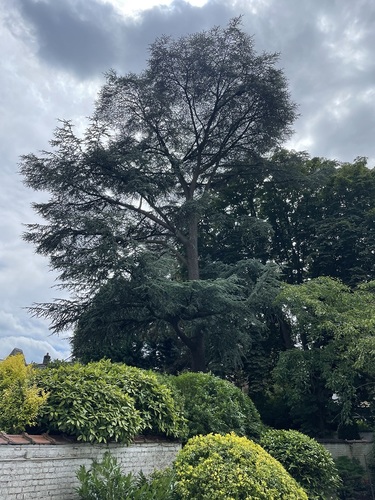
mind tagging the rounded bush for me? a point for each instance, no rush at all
(305, 459)
(91, 410)
(217, 467)
(161, 413)
(102, 401)
(213, 405)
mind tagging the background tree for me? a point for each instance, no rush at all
(312, 216)
(344, 241)
(288, 201)
(327, 377)
(142, 176)
(271, 213)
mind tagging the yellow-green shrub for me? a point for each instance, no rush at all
(217, 467)
(20, 399)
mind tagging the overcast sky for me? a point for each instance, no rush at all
(54, 54)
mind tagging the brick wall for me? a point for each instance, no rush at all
(47, 471)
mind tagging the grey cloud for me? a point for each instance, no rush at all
(90, 37)
(76, 35)
(351, 135)
(177, 19)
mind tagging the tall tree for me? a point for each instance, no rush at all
(142, 176)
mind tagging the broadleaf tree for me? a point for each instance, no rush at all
(140, 179)
(327, 379)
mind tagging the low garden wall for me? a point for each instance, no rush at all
(48, 471)
(362, 450)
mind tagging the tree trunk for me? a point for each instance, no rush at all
(285, 331)
(198, 358)
(196, 346)
(192, 256)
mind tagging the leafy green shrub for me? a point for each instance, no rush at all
(20, 399)
(305, 459)
(104, 401)
(352, 476)
(160, 412)
(216, 467)
(105, 481)
(91, 410)
(217, 406)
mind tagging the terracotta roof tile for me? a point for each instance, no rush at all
(42, 439)
(16, 438)
(37, 438)
(31, 439)
(3, 439)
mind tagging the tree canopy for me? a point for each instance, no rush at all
(328, 378)
(206, 109)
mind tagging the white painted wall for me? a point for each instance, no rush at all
(47, 472)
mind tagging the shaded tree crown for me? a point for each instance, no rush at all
(156, 148)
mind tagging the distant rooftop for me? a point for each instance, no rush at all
(46, 359)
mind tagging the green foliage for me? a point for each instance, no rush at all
(105, 481)
(102, 401)
(159, 411)
(215, 405)
(90, 409)
(345, 234)
(302, 392)
(21, 401)
(312, 216)
(229, 298)
(139, 180)
(216, 467)
(351, 472)
(310, 464)
(334, 328)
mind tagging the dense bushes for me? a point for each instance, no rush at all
(160, 412)
(212, 467)
(305, 459)
(216, 467)
(20, 399)
(91, 410)
(104, 401)
(213, 405)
